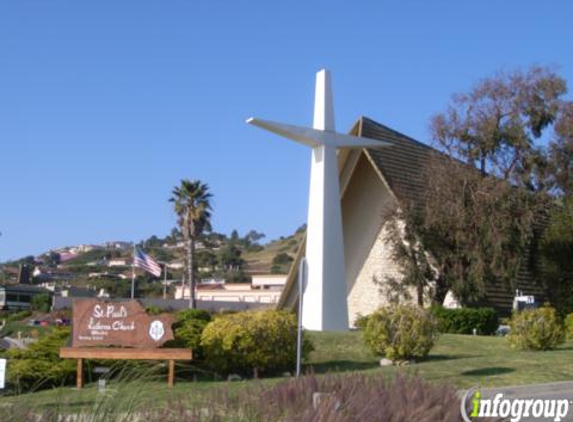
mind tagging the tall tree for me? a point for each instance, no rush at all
(495, 126)
(561, 151)
(416, 272)
(488, 182)
(556, 250)
(192, 204)
(477, 228)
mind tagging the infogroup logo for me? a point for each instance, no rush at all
(474, 407)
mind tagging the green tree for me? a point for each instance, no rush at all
(207, 259)
(416, 271)
(192, 204)
(556, 252)
(494, 127)
(235, 238)
(41, 302)
(561, 151)
(251, 241)
(489, 182)
(53, 259)
(281, 263)
(230, 258)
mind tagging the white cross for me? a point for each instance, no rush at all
(324, 300)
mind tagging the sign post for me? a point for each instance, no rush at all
(127, 328)
(301, 284)
(2, 373)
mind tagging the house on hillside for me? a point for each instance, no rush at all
(19, 296)
(372, 182)
(263, 289)
(46, 274)
(118, 245)
(268, 281)
(119, 262)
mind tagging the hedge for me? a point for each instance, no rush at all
(252, 341)
(464, 320)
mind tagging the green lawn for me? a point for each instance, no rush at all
(457, 359)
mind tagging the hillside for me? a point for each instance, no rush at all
(261, 262)
(232, 258)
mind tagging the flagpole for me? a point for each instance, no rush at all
(133, 274)
(165, 280)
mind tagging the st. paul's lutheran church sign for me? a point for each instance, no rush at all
(122, 324)
(120, 330)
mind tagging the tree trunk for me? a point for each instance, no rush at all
(190, 273)
(420, 294)
(482, 164)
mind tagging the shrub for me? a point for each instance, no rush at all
(282, 258)
(464, 320)
(16, 316)
(154, 310)
(536, 329)
(401, 332)
(188, 328)
(41, 303)
(40, 365)
(569, 326)
(257, 341)
(361, 321)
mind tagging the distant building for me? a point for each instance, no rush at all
(19, 296)
(68, 256)
(108, 275)
(268, 281)
(52, 274)
(84, 248)
(212, 281)
(180, 244)
(11, 274)
(23, 274)
(119, 262)
(77, 292)
(267, 290)
(118, 245)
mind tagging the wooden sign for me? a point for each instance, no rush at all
(122, 324)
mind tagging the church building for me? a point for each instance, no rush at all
(372, 182)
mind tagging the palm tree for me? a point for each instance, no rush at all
(191, 201)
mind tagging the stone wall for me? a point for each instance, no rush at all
(365, 205)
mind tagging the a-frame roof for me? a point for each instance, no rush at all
(402, 164)
(402, 168)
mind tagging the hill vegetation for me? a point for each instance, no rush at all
(232, 258)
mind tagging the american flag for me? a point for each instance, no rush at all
(145, 262)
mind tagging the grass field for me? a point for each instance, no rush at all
(261, 261)
(460, 360)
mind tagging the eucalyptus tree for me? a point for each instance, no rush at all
(489, 181)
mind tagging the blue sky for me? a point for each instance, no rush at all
(105, 105)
